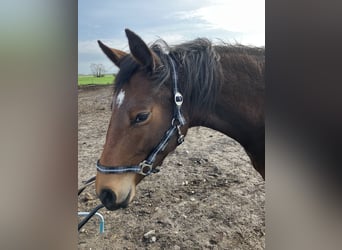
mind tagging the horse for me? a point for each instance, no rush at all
(161, 91)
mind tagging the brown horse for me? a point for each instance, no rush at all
(162, 91)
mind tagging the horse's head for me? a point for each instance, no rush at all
(144, 111)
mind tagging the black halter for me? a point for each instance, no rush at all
(146, 167)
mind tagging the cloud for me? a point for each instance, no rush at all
(88, 47)
(92, 47)
(246, 17)
(175, 22)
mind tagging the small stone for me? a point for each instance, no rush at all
(149, 234)
(153, 239)
(192, 199)
(213, 242)
(88, 196)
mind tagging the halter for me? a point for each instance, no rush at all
(146, 167)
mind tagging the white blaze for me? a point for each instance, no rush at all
(120, 98)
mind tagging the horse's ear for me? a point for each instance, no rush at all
(140, 51)
(113, 54)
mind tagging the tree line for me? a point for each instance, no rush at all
(98, 70)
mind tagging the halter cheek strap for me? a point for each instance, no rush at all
(146, 167)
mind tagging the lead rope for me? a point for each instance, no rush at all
(92, 212)
(86, 184)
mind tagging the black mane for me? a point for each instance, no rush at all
(199, 71)
(198, 65)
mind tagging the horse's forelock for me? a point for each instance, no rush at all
(128, 66)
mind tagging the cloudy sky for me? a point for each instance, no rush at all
(175, 21)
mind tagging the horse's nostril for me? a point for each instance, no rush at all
(108, 199)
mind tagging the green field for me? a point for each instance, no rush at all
(89, 79)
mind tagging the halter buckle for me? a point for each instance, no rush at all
(178, 99)
(145, 168)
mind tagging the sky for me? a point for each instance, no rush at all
(175, 21)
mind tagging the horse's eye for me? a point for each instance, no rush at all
(141, 117)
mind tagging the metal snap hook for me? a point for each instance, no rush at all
(180, 139)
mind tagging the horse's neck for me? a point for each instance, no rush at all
(245, 126)
(239, 108)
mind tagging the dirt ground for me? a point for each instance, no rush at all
(206, 196)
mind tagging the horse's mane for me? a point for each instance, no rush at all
(199, 71)
(198, 66)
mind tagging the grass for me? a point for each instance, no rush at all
(89, 79)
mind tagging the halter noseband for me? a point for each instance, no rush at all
(146, 167)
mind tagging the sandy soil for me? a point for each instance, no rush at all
(206, 196)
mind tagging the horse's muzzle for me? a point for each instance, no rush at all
(108, 199)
